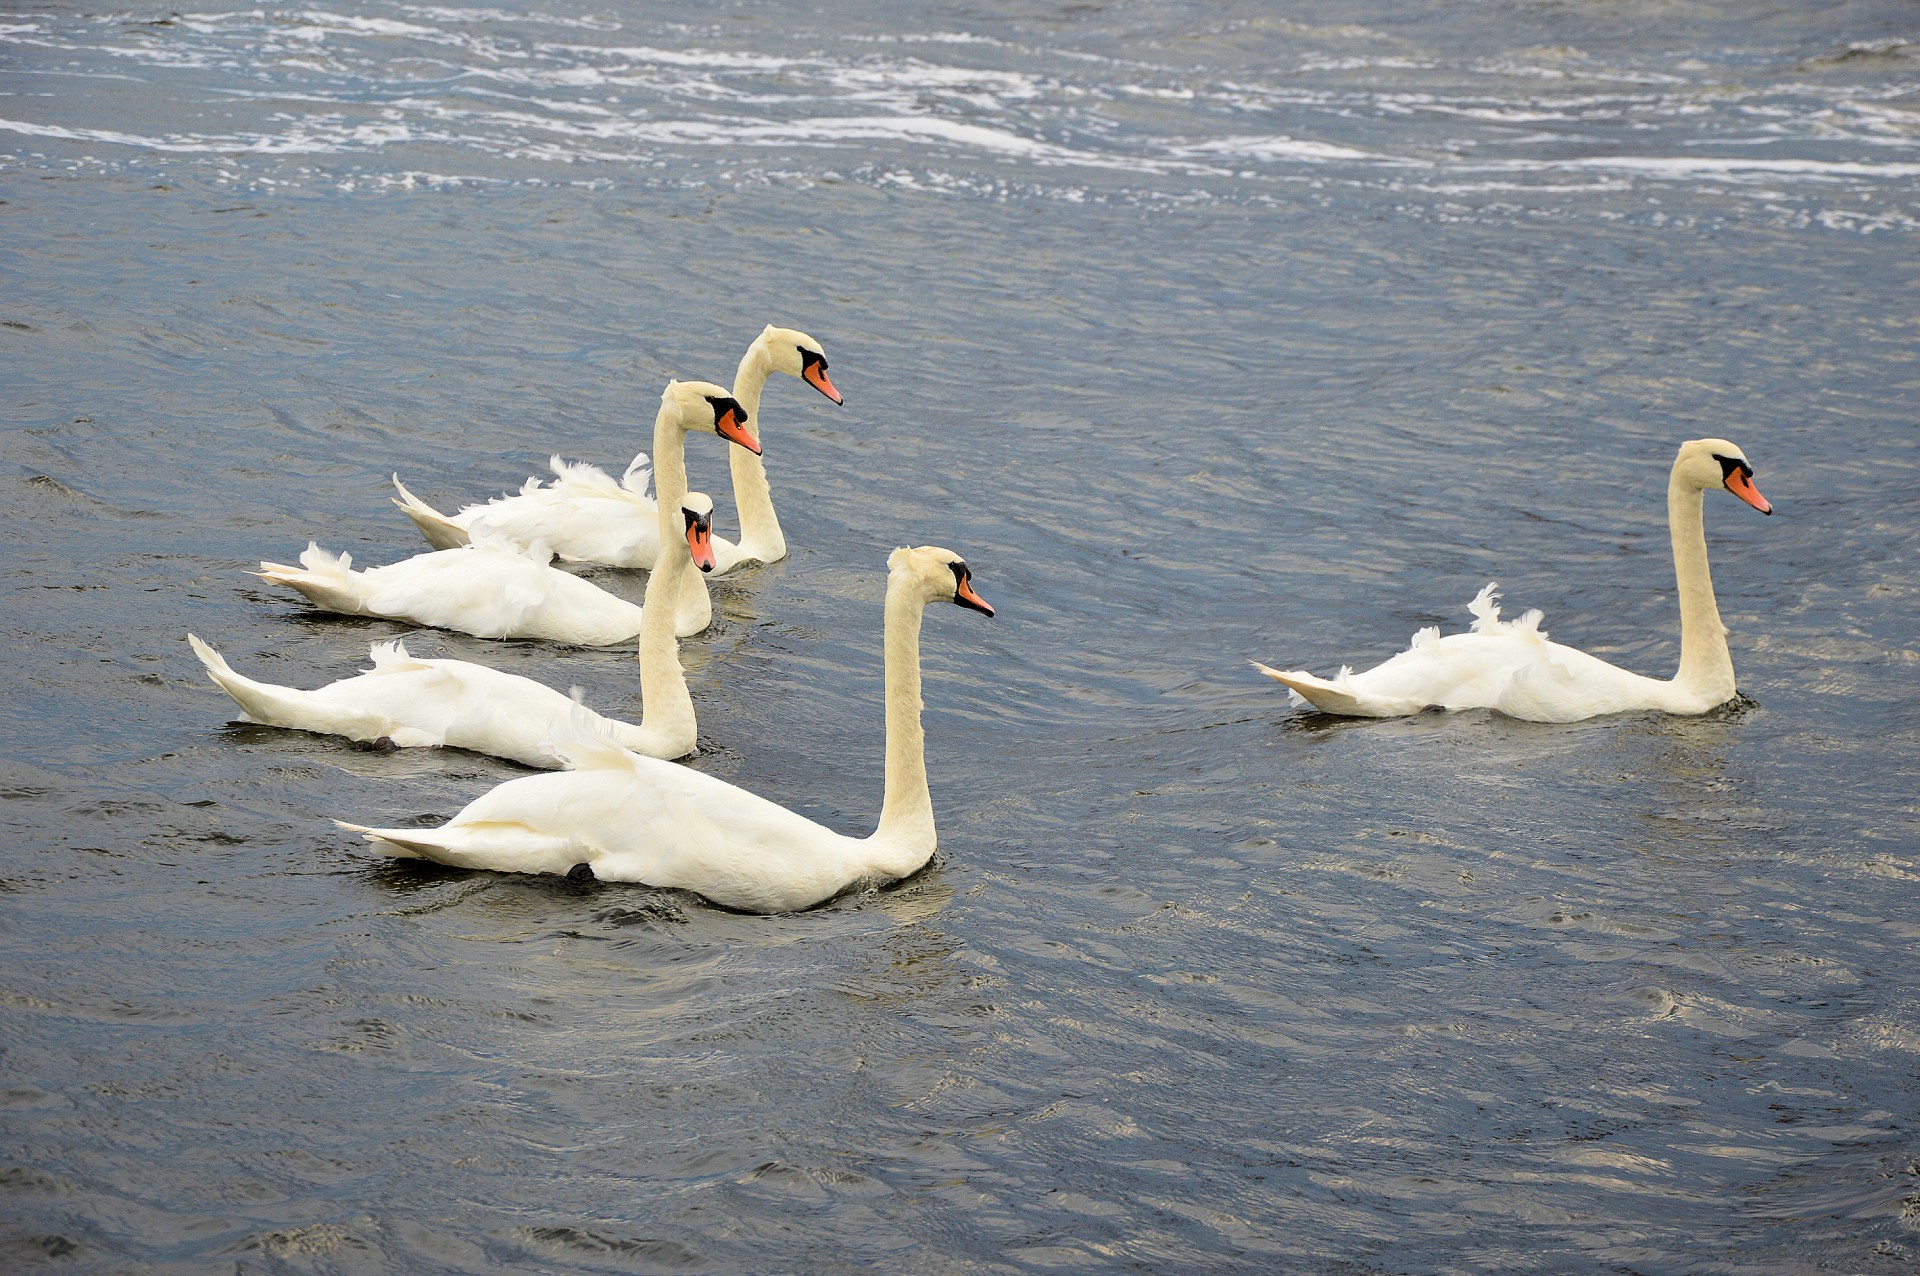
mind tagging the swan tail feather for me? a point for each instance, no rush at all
(441, 532)
(327, 580)
(478, 845)
(275, 706)
(1327, 697)
(394, 843)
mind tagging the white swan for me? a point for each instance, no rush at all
(1510, 665)
(458, 704)
(494, 590)
(586, 517)
(625, 818)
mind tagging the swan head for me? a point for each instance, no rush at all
(696, 508)
(793, 352)
(938, 575)
(702, 405)
(1708, 463)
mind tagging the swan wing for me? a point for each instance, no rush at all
(463, 705)
(1566, 684)
(584, 515)
(480, 590)
(618, 532)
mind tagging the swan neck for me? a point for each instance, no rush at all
(669, 486)
(669, 461)
(906, 817)
(1705, 664)
(760, 535)
(666, 706)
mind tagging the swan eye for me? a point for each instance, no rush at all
(1729, 466)
(961, 575)
(811, 360)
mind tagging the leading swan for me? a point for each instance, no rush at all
(625, 818)
(415, 703)
(584, 516)
(1510, 665)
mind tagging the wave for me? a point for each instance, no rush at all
(537, 88)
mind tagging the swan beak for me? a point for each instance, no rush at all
(815, 375)
(730, 423)
(964, 595)
(700, 542)
(1740, 483)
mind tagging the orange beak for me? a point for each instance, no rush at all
(964, 595)
(700, 543)
(731, 425)
(816, 376)
(1741, 485)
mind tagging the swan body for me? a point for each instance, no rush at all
(412, 702)
(485, 589)
(633, 819)
(586, 517)
(1510, 665)
(416, 703)
(492, 589)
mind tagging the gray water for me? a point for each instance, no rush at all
(1206, 333)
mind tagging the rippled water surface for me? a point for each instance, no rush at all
(1206, 333)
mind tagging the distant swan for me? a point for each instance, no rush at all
(586, 517)
(494, 590)
(1510, 665)
(624, 818)
(458, 704)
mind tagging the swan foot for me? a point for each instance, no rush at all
(384, 744)
(580, 874)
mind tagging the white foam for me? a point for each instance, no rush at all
(1280, 147)
(364, 26)
(1727, 167)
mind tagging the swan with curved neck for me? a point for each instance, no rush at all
(497, 590)
(1512, 667)
(623, 818)
(413, 703)
(586, 517)
(785, 350)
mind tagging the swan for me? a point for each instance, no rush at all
(1510, 665)
(495, 589)
(411, 702)
(620, 817)
(586, 517)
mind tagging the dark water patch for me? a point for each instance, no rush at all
(632, 1253)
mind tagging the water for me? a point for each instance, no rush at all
(1206, 333)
